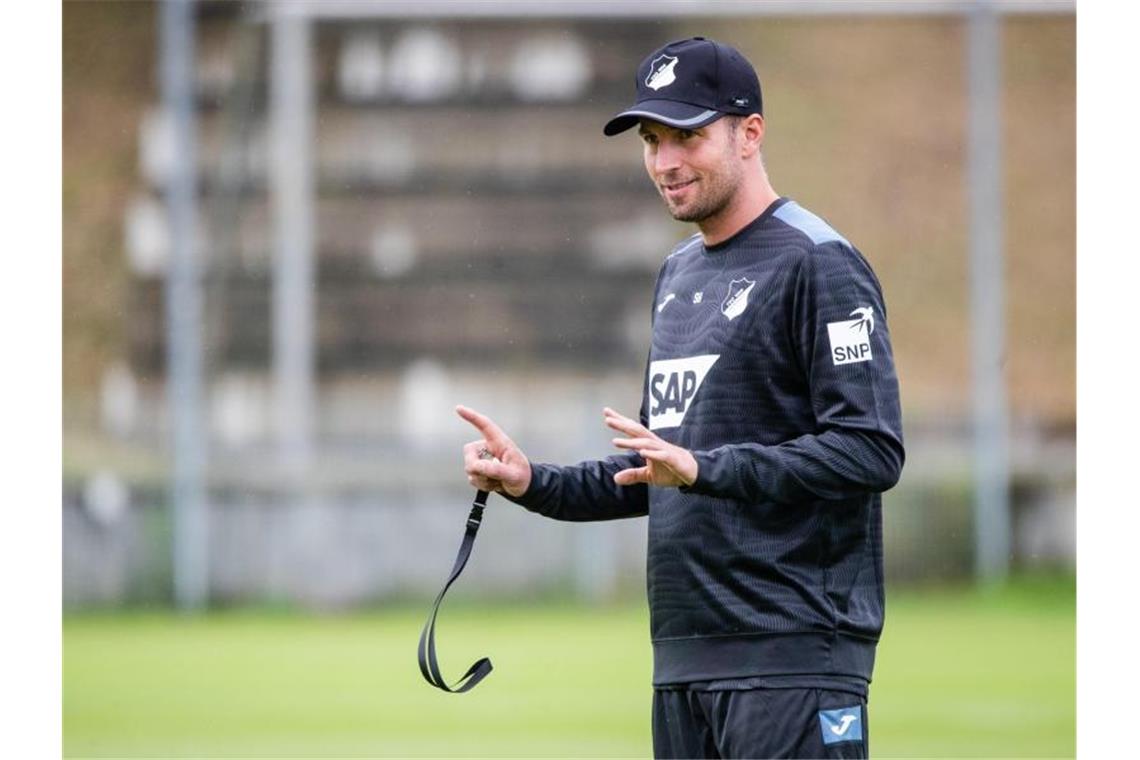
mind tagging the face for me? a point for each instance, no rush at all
(697, 171)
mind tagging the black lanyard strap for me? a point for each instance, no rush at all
(429, 666)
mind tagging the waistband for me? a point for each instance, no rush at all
(704, 658)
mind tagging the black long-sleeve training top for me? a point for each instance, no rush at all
(771, 362)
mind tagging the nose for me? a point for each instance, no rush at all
(667, 158)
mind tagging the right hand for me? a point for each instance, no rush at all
(508, 472)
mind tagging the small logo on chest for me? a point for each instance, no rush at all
(737, 299)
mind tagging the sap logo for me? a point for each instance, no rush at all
(851, 339)
(673, 384)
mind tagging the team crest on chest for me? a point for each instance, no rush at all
(737, 299)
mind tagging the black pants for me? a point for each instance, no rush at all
(759, 723)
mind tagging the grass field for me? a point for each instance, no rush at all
(961, 673)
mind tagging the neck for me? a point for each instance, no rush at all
(749, 202)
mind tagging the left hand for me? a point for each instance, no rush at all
(666, 465)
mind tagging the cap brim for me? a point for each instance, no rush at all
(669, 112)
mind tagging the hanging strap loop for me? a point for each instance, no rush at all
(429, 665)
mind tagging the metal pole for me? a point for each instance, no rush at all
(291, 189)
(987, 297)
(184, 312)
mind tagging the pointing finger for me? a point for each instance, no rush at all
(492, 432)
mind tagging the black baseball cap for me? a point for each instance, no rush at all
(690, 83)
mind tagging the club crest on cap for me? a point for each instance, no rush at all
(661, 72)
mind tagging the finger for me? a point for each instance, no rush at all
(497, 439)
(656, 455)
(664, 456)
(487, 468)
(672, 460)
(632, 475)
(471, 454)
(638, 443)
(481, 451)
(471, 450)
(484, 484)
(625, 425)
(611, 412)
(629, 427)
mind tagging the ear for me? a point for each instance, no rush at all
(751, 135)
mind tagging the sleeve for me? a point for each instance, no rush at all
(839, 329)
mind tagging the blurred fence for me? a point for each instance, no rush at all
(394, 534)
(477, 241)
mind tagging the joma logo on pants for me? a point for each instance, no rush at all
(673, 384)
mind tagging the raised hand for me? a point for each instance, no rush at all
(666, 465)
(494, 462)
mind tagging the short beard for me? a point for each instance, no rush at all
(719, 194)
(716, 199)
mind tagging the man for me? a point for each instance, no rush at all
(769, 426)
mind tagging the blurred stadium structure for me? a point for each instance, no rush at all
(404, 206)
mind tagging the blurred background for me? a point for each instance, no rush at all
(296, 234)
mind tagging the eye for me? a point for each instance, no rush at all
(685, 134)
(649, 138)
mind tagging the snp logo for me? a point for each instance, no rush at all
(851, 339)
(673, 383)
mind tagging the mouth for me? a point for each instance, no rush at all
(676, 186)
(675, 191)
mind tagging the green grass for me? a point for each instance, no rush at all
(960, 674)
